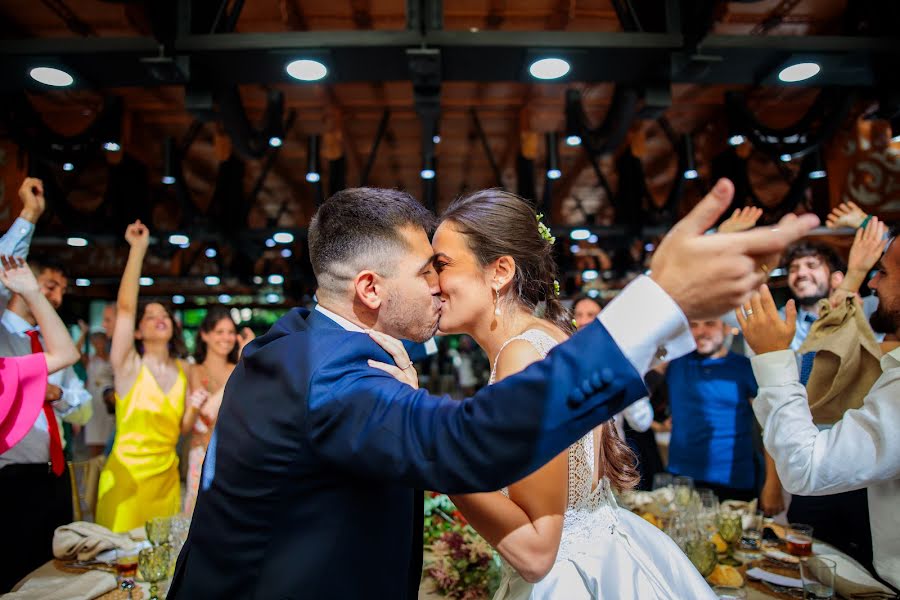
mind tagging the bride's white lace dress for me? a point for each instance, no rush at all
(606, 552)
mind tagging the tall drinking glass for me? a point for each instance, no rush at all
(817, 574)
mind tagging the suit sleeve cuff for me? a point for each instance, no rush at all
(647, 325)
(775, 368)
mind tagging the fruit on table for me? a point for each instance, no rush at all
(721, 546)
(652, 519)
(725, 575)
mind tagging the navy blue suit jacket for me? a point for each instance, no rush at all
(318, 454)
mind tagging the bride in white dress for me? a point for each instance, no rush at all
(559, 531)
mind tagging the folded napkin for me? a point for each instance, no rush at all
(86, 586)
(853, 582)
(84, 541)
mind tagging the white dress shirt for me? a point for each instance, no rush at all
(862, 450)
(15, 242)
(643, 320)
(74, 406)
(638, 415)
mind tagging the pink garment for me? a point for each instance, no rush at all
(23, 389)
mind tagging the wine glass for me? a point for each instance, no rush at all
(661, 480)
(730, 528)
(126, 567)
(684, 487)
(158, 529)
(702, 554)
(154, 565)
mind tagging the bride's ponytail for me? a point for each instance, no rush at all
(618, 462)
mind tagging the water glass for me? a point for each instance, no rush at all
(753, 527)
(126, 566)
(154, 565)
(817, 575)
(661, 480)
(158, 529)
(726, 592)
(702, 554)
(799, 539)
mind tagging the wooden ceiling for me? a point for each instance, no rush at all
(348, 114)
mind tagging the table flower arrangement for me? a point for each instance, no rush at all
(461, 563)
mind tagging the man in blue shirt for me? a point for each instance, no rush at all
(712, 420)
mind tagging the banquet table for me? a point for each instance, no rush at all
(54, 568)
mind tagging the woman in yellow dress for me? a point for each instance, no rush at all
(141, 480)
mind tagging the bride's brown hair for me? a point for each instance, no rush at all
(499, 223)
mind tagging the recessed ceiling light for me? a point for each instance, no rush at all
(67, 166)
(179, 239)
(549, 68)
(736, 140)
(80, 282)
(177, 299)
(212, 280)
(427, 173)
(554, 174)
(168, 179)
(313, 177)
(224, 298)
(273, 298)
(276, 279)
(51, 76)
(691, 174)
(589, 275)
(306, 70)
(145, 281)
(286, 253)
(211, 253)
(799, 72)
(275, 141)
(78, 242)
(573, 140)
(817, 174)
(283, 237)
(112, 147)
(270, 243)
(785, 157)
(580, 234)
(436, 139)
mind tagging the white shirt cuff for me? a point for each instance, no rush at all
(775, 368)
(647, 325)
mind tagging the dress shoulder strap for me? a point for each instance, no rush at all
(542, 341)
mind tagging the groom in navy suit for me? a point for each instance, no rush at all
(318, 454)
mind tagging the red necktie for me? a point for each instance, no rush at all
(57, 460)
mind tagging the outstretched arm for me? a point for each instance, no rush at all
(122, 352)
(17, 241)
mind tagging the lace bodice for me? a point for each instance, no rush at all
(590, 510)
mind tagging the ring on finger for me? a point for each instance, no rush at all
(748, 311)
(407, 366)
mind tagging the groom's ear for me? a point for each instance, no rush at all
(368, 289)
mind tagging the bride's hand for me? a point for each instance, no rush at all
(403, 370)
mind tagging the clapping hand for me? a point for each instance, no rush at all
(708, 275)
(403, 369)
(16, 275)
(845, 214)
(137, 235)
(764, 329)
(868, 246)
(741, 220)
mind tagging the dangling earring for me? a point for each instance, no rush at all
(497, 302)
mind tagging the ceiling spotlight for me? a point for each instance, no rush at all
(589, 275)
(77, 242)
(275, 141)
(286, 253)
(736, 140)
(273, 298)
(145, 281)
(270, 243)
(785, 157)
(179, 239)
(574, 248)
(649, 247)
(580, 234)
(177, 299)
(306, 70)
(276, 279)
(573, 140)
(283, 237)
(427, 173)
(436, 139)
(51, 76)
(212, 280)
(167, 179)
(593, 293)
(548, 68)
(246, 313)
(313, 174)
(67, 166)
(799, 72)
(211, 253)
(257, 279)
(553, 171)
(429, 170)
(818, 170)
(690, 165)
(80, 282)
(224, 298)
(168, 175)
(593, 239)
(111, 146)
(574, 117)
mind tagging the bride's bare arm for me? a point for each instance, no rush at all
(525, 528)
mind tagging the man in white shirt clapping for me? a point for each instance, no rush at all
(862, 450)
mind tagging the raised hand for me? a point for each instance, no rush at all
(764, 329)
(708, 275)
(198, 398)
(403, 370)
(868, 246)
(845, 214)
(244, 337)
(16, 275)
(31, 192)
(137, 235)
(741, 219)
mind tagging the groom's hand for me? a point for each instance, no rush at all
(709, 275)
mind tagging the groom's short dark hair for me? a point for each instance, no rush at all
(357, 228)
